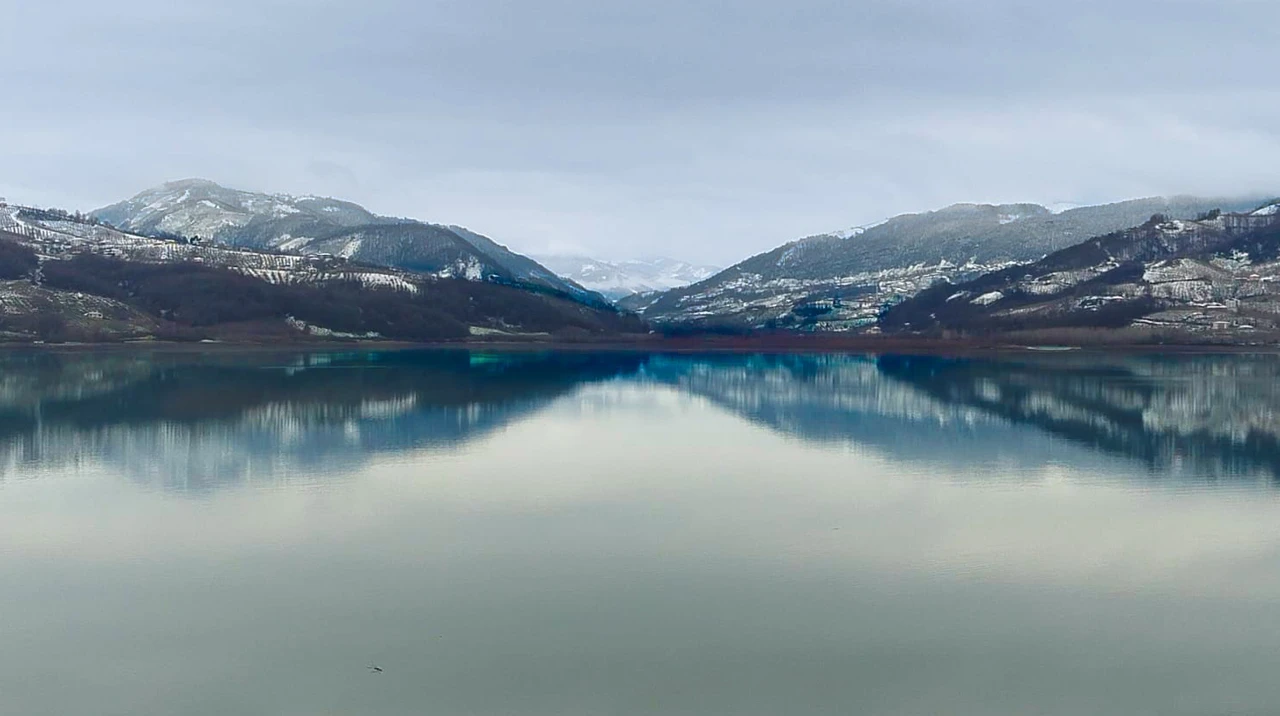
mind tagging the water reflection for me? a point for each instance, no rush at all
(613, 534)
(193, 422)
(846, 400)
(1213, 416)
(1205, 416)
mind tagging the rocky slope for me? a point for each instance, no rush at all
(620, 279)
(843, 280)
(310, 225)
(1218, 275)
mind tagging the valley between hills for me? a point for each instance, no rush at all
(195, 263)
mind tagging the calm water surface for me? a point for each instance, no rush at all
(627, 534)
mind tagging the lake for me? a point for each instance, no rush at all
(610, 533)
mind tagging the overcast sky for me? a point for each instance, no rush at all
(703, 130)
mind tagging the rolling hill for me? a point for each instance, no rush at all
(843, 280)
(1217, 276)
(311, 225)
(67, 278)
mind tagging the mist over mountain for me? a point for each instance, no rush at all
(620, 279)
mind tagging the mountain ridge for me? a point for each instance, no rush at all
(894, 259)
(67, 278)
(1213, 275)
(314, 225)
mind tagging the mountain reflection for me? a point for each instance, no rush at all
(1212, 415)
(199, 421)
(196, 422)
(847, 400)
(1204, 416)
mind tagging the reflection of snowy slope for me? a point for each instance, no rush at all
(1218, 415)
(845, 400)
(1191, 416)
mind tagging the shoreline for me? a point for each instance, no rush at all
(779, 344)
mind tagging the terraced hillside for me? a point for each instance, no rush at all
(1219, 275)
(843, 280)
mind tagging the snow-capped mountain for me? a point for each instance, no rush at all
(1219, 275)
(197, 208)
(843, 280)
(67, 277)
(619, 279)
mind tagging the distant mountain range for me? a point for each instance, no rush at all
(195, 260)
(843, 280)
(312, 225)
(619, 279)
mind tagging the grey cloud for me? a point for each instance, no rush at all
(333, 173)
(707, 130)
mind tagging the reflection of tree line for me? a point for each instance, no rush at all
(221, 418)
(1217, 414)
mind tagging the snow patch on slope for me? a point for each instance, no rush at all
(350, 248)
